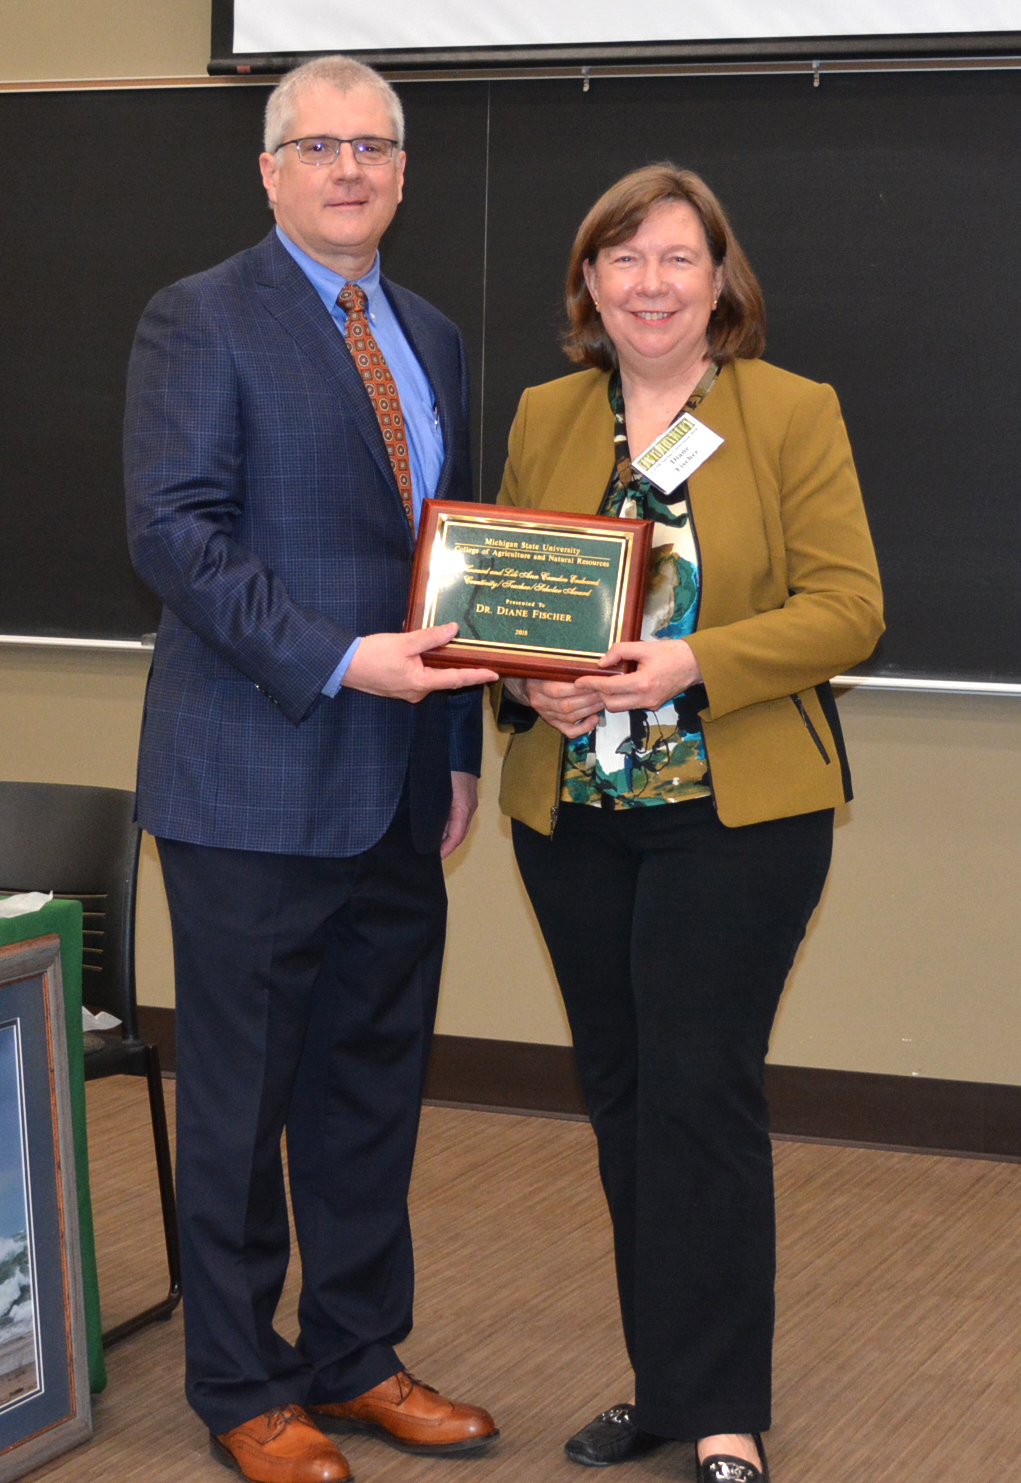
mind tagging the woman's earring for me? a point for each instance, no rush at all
(715, 302)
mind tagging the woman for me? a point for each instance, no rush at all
(673, 825)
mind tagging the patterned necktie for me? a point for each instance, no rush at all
(380, 385)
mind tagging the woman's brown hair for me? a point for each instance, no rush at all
(737, 326)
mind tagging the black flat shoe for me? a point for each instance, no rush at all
(612, 1437)
(722, 1468)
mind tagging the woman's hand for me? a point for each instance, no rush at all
(571, 711)
(666, 667)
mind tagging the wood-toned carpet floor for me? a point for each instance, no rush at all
(898, 1355)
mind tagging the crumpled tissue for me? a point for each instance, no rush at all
(17, 906)
(100, 1021)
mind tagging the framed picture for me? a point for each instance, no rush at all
(44, 1376)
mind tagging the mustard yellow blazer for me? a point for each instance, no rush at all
(790, 587)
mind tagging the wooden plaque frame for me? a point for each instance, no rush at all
(631, 539)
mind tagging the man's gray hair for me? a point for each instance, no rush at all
(342, 73)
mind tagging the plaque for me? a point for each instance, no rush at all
(536, 593)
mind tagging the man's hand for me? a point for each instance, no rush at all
(666, 667)
(571, 711)
(462, 807)
(389, 664)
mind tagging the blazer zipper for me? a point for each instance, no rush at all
(554, 813)
(698, 614)
(811, 729)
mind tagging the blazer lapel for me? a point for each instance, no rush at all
(290, 298)
(446, 392)
(726, 507)
(584, 463)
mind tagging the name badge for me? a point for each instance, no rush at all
(670, 460)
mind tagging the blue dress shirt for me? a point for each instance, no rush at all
(421, 420)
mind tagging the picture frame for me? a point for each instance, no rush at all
(45, 1406)
(537, 593)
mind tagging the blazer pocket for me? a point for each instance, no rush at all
(771, 760)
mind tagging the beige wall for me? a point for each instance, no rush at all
(911, 963)
(81, 39)
(73, 717)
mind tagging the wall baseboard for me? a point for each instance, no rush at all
(915, 1112)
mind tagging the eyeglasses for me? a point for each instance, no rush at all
(323, 151)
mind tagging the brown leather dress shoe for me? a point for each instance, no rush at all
(281, 1446)
(411, 1416)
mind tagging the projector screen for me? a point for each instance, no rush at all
(257, 33)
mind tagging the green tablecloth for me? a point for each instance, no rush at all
(65, 919)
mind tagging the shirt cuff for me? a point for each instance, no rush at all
(335, 681)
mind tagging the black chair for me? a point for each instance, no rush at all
(82, 843)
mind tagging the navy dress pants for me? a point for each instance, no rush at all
(672, 937)
(306, 996)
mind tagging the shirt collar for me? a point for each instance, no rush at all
(325, 281)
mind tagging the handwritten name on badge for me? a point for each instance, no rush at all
(670, 460)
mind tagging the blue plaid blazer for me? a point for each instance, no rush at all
(263, 511)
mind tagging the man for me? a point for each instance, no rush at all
(303, 773)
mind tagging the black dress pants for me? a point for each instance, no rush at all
(306, 995)
(672, 937)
